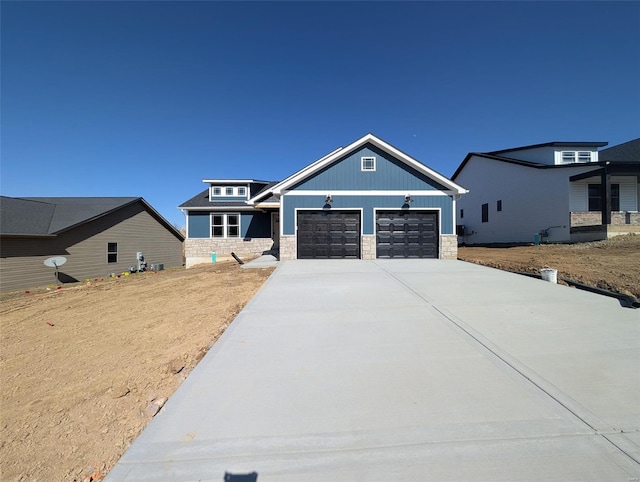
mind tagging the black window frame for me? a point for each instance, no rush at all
(485, 213)
(595, 199)
(112, 252)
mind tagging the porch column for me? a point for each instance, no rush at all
(605, 189)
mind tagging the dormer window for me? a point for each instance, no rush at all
(228, 191)
(584, 156)
(569, 157)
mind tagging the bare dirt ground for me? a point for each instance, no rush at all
(84, 369)
(613, 264)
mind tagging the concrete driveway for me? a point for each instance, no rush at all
(406, 370)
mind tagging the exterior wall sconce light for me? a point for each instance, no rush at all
(328, 199)
(407, 199)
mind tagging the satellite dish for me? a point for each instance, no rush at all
(55, 261)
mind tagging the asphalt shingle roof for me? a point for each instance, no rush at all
(626, 152)
(48, 216)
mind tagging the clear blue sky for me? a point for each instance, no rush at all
(149, 98)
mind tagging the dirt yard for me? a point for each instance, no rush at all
(613, 264)
(83, 369)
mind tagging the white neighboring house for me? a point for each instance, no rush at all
(552, 192)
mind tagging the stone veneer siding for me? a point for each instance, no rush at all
(368, 246)
(198, 250)
(288, 247)
(448, 247)
(595, 218)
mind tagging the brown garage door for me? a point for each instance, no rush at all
(328, 234)
(406, 234)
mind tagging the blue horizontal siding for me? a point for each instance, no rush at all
(367, 204)
(390, 174)
(252, 225)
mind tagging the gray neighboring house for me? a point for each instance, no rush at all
(97, 236)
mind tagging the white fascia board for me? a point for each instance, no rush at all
(228, 181)
(304, 172)
(335, 192)
(268, 205)
(418, 166)
(331, 157)
(221, 208)
(275, 189)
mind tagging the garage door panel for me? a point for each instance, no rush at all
(328, 234)
(406, 234)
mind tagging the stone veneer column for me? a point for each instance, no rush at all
(368, 246)
(198, 250)
(448, 246)
(288, 248)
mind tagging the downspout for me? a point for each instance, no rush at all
(605, 189)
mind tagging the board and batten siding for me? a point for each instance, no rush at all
(390, 174)
(367, 204)
(85, 247)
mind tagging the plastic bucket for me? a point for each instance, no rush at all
(536, 239)
(213, 257)
(549, 274)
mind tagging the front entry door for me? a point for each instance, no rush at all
(275, 229)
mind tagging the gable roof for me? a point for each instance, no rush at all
(50, 216)
(626, 152)
(340, 152)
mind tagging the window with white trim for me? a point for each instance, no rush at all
(221, 191)
(584, 156)
(368, 163)
(225, 225)
(569, 157)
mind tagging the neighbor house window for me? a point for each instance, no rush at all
(499, 205)
(596, 202)
(225, 225)
(573, 156)
(584, 156)
(242, 191)
(368, 163)
(112, 252)
(485, 213)
(217, 191)
(228, 191)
